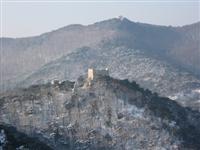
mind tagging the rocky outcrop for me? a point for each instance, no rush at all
(108, 114)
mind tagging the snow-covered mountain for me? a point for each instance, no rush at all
(107, 114)
(163, 58)
(22, 56)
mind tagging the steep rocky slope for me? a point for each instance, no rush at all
(22, 56)
(108, 114)
(124, 63)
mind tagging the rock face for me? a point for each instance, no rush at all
(107, 114)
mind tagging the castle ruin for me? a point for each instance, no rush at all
(92, 73)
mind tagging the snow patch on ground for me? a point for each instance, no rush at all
(197, 91)
(172, 124)
(198, 101)
(174, 97)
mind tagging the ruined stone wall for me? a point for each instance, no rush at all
(95, 73)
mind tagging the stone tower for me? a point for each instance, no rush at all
(90, 74)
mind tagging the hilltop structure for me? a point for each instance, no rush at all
(92, 73)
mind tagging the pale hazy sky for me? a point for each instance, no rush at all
(21, 19)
